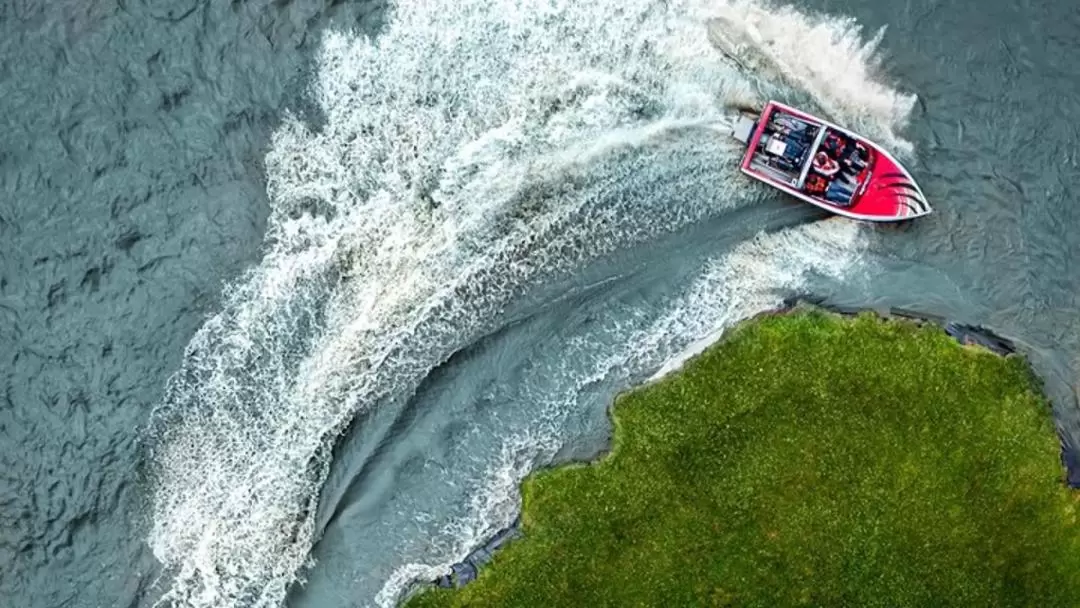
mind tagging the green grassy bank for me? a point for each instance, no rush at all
(809, 459)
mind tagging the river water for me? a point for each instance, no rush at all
(301, 290)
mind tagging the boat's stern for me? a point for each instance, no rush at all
(743, 129)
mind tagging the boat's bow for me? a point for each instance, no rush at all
(891, 191)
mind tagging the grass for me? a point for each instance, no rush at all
(809, 460)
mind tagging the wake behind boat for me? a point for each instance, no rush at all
(828, 166)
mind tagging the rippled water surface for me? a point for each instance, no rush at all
(301, 290)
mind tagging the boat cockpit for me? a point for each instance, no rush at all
(822, 162)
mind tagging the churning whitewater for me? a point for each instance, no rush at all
(471, 156)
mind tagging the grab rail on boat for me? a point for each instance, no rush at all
(810, 158)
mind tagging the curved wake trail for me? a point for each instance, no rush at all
(755, 276)
(470, 153)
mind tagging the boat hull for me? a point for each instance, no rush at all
(855, 178)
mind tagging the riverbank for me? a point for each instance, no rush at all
(807, 458)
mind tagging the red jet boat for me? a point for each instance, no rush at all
(828, 166)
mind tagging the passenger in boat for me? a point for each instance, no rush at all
(837, 146)
(831, 145)
(840, 192)
(815, 185)
(853, 163)
(859, 158)
(825, 165)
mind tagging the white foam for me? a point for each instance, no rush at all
(440, 183)
(471, 151)
(752, 278)
(824, 57)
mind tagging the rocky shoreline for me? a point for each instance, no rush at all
(466, 570)
(963, 333)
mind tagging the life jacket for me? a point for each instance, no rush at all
(815, 184)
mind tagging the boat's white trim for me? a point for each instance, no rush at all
(810, 158)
